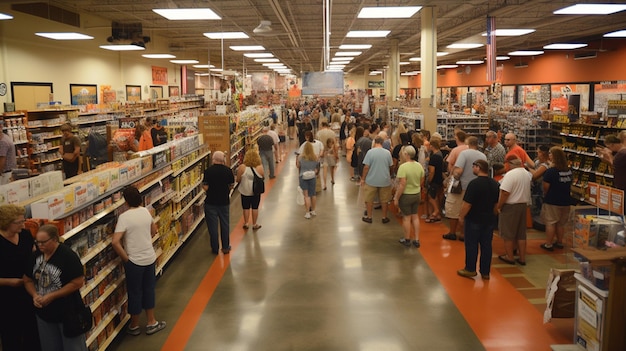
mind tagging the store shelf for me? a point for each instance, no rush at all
(100, 327)
(99, 277)
(172, 251)
(198, 159)
(180, 196)
(170, 193)
(48, 161)
(93, 219)
(156, 236)
(109, 290)
(52, 137)
(196, 198)
(94, 250)
(579, 152)
(116, 331)
(155, 181)
(606, 175)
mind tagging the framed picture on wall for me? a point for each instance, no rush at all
(174, 90)
(83, 94)
(156, 92)
(133, 93)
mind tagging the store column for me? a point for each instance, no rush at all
(393, 73)
(428, 74)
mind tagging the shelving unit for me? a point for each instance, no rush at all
(172, 193)
(473, 125)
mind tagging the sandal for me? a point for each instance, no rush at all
(432, 219)
(245, 226)
(506, 260)
(256, 226)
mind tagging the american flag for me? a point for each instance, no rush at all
(491, 49)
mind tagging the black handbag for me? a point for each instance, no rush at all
(77, 319)
(258, 184)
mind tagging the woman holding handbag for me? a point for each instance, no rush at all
(308, 166)
(53, 278)
(245, 177)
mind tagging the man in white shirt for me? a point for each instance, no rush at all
(512, 207)
(274, 135)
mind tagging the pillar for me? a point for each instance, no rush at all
(428, 54)
(392, 88)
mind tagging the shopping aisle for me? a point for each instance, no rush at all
(333, 283)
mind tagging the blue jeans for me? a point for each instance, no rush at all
(267, 158)
(478, 234)
(214, 215)
(140, 283)
(52, 338)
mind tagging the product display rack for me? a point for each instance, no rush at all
(15, 127)
(530, 130)
(175, 183)
(579, 141)
(473, 125)
(44, 136)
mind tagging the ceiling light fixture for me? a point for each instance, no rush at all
(203, 66)
(591, 9)
(4, 16)
(355, 46)
(340, 62)
(404, 63)
(465, 46)
(585, 56)
(510, 32)
(411, 73)
(616, 34)
(159, 56)
(389, 12)
(267, 60)
(65, 36)
(564, 46)
(502, 58)
(259, 55)
(348, 53)
(188, 14)
(342, 58)
(525, 53)
(184, 62)
(469, 62)
(439, 54)
(226, 35)
(263, 28)
(123, 47)
(415, 59)
(247, 48)
(447, 66)
(367, 33)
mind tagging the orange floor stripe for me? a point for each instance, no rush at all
(501, 317)
(186, 323)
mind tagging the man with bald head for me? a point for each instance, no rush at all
(513, 149)
(217, 183)
(494, 151)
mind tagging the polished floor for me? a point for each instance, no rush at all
(336, 283)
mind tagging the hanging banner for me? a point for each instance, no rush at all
(376, 84)
(491, 49)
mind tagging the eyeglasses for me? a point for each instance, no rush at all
(19, 221)
(42, 242)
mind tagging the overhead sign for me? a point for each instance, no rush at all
(322, 83)
(376, 84)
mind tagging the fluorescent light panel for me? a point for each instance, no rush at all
(403, 63)
(510, 32)
(340, 62)
(525, 53)
(616, 34)
(465, 46)
(188, 14)
(203, 66)
(591, 9)
(502, 58)
(266, 60)
(159, 56)
(348, 53)
(247, 48)
(4, 16)
(122, 47)
(447, 66)
(469, 62)
(564, 46)
(65, 36)
(342, 58)
(367, 33)
(184, 62)
(355, 46)
(216, 70)
(389, 12)
(226, 35)
(274, 65)
(375, 72)
(259, 55)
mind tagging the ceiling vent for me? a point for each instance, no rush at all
(264, 28)
(50, 12)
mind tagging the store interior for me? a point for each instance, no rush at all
(552, 73)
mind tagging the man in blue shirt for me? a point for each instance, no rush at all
(377, 179)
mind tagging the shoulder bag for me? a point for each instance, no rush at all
(258, 184)
(77, 318)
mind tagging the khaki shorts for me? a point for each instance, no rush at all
(553, 214)
(370, 192)
(453, 205)
(512, 222)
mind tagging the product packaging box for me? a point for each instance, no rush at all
(39, 185)
(80, 194)
(146, 164)
(49, 208)
(18, 191)
(114, 174)
(55, 180)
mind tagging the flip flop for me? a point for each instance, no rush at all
(245, 226)
(506, 260)
(256, 226)
(432, 220)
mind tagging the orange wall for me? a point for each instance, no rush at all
(551, 67)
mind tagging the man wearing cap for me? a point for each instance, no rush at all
(71, 151)
(8, 161)
(217, 183)
(463, 172)
(478, 218)
(512, 204)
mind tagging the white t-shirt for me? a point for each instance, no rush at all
(517, 182)
(136, 225)
(274, 136)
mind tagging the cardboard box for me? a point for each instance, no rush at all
(39, 185)
(18, 191)
(560, 294)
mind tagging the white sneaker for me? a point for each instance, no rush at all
(313, 213)
(307, 215)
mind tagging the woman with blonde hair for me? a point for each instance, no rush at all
(245, 177)
(350, 141)
(308, 167)
(18, 326)
(331, 158)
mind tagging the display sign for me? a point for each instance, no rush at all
(322, 83)
(375, 83)
(617, 201)
(159, 75)
(216, 133)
